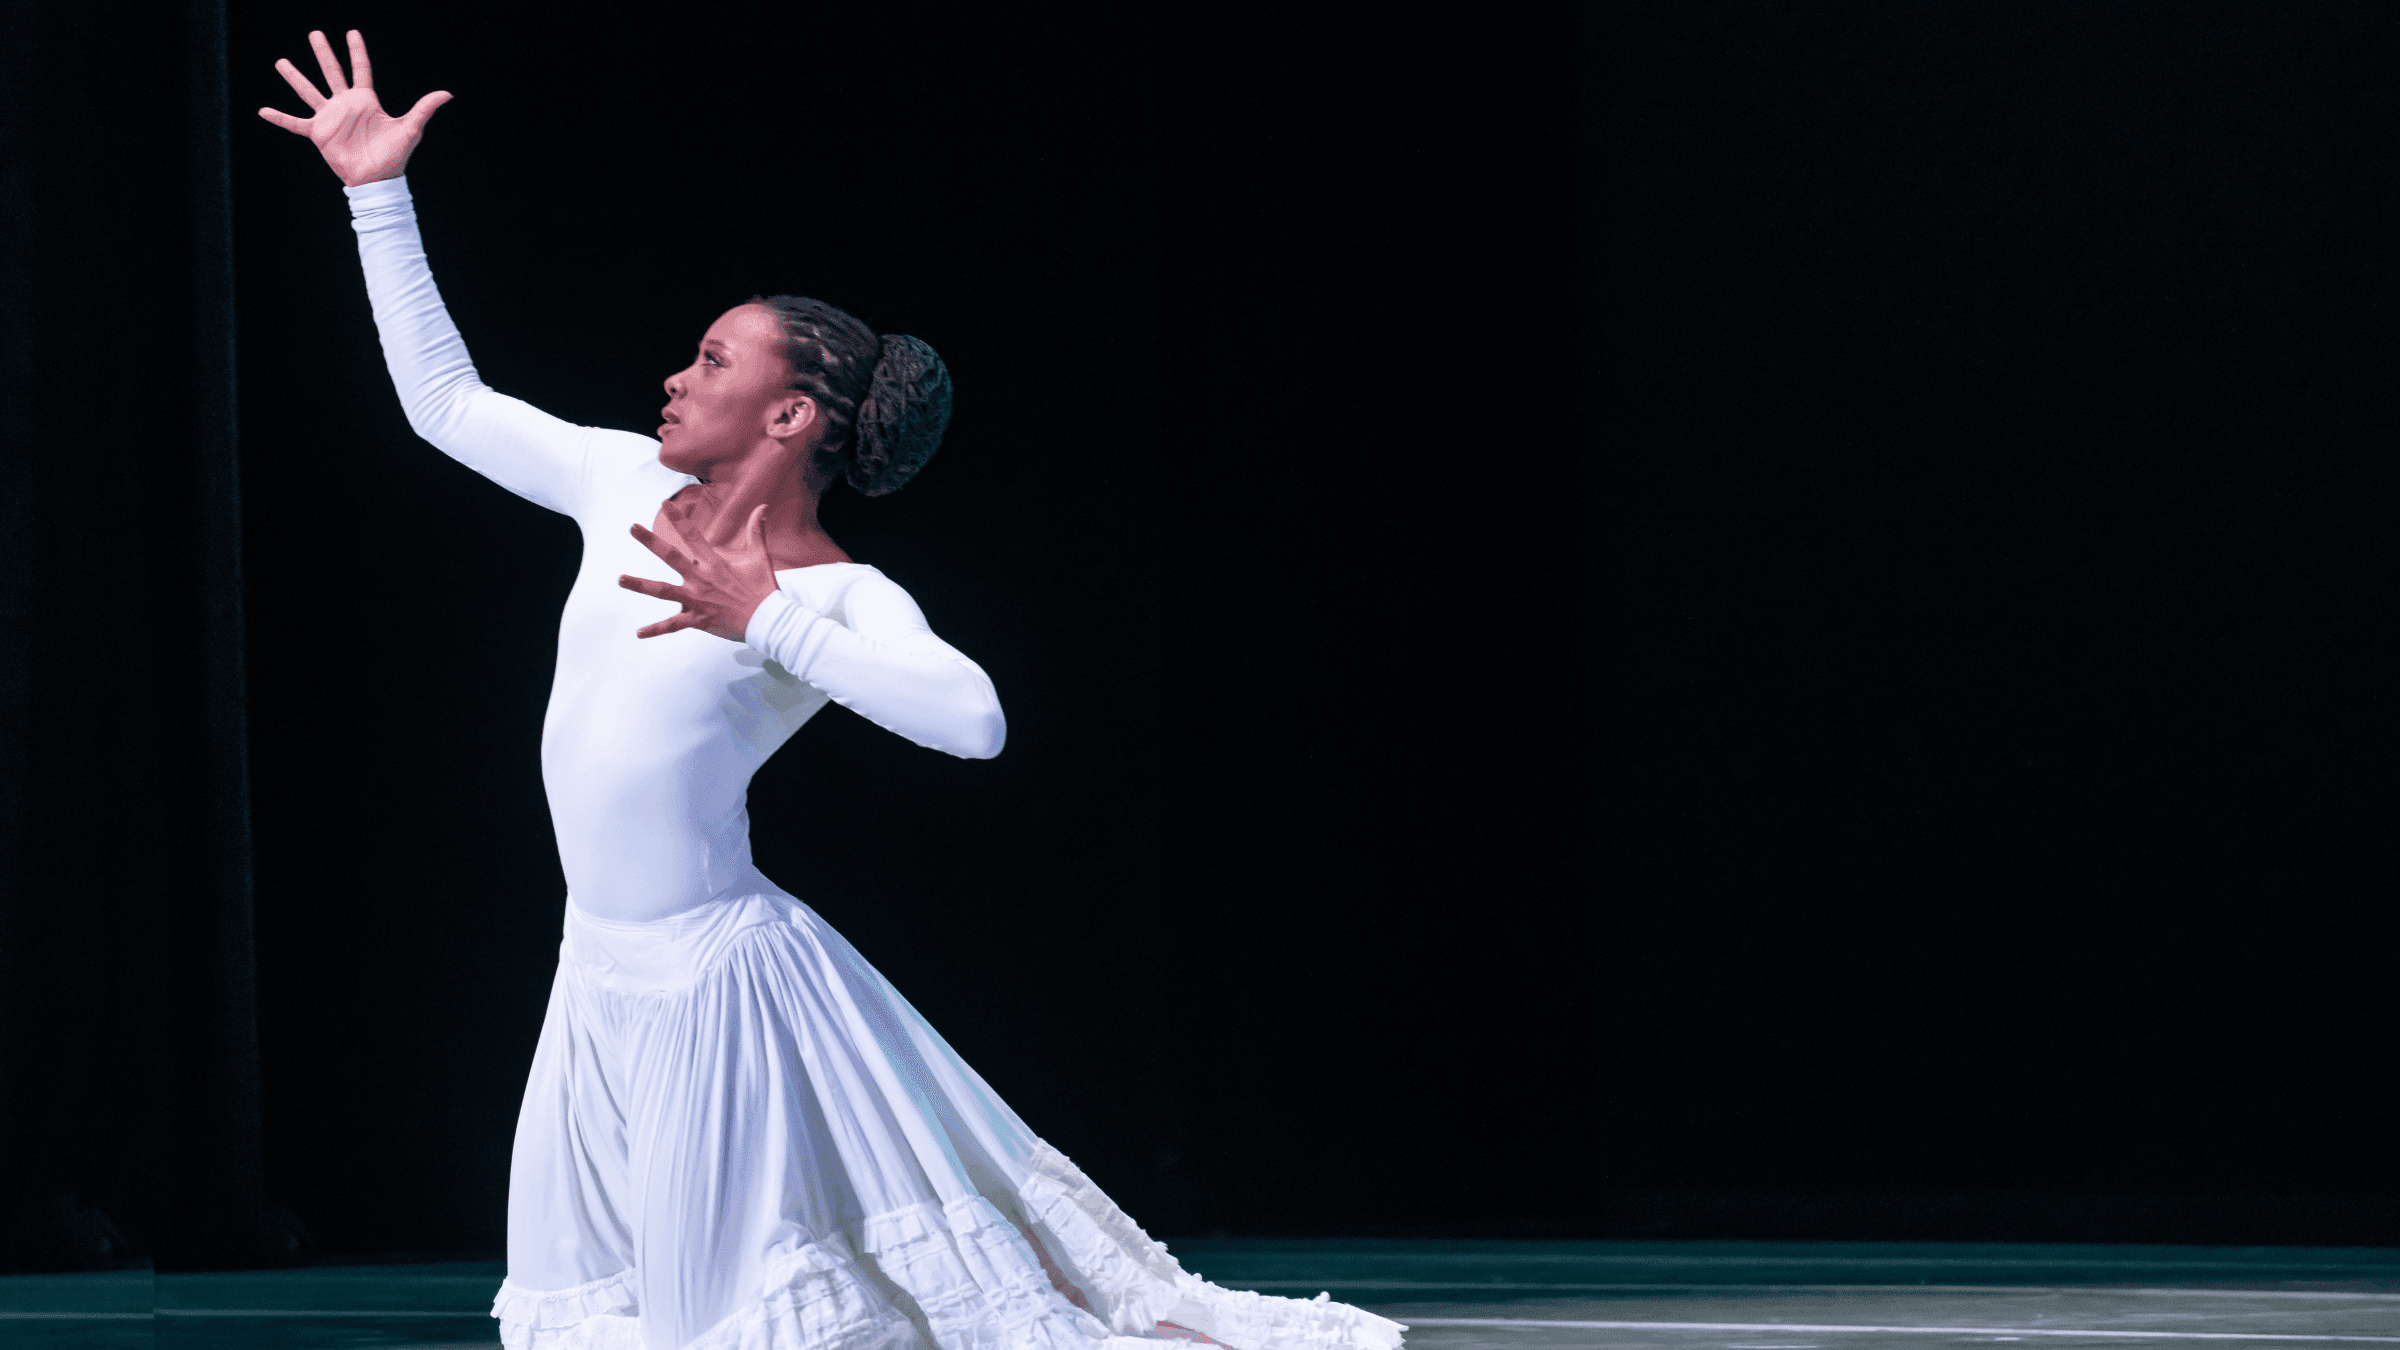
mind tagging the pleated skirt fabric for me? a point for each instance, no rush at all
(738, 1136)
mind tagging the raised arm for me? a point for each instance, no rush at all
(539, 457)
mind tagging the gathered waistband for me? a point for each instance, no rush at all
(658, 955)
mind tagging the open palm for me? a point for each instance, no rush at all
(358, 139)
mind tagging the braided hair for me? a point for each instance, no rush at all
(885, 400)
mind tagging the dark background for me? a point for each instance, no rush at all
(1998, 504)
(1715, 622)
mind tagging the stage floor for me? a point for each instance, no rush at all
(1454, 1296)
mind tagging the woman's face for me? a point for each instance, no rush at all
(732, 396)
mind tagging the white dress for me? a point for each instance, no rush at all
(736, 1134)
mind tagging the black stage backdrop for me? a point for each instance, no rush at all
(1706, 622)
(1997, 499)
(129, 1073)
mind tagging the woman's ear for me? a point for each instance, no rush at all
(794, 419)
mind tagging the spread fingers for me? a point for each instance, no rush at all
(334, 83)
(659, 589)
(666, 626)
(668, 553)
(300, 83)
(362, 75)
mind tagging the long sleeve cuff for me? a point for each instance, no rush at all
(787, 632)
(372, 205)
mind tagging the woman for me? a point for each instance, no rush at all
(736, 1134)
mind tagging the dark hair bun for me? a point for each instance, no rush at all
(900, 421)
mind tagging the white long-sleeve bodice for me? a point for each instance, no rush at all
(649, 744)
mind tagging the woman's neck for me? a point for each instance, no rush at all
(794, 536)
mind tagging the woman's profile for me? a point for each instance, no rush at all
(735, 1133)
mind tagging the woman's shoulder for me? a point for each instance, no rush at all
(857, 595)
(828, 579)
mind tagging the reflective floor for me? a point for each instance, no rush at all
(1453, 1295)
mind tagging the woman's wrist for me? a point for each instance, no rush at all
(742, 619)
(384, 199)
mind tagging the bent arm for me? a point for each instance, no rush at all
(887, 666)
(539, 457)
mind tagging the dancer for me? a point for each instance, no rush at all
(736, 1134)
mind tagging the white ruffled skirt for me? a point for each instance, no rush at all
(738, 1136)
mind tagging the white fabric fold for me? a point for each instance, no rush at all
(1131, 1280)
(738, 1136)
(548, 1311)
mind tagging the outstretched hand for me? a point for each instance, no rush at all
(721, 588)
(351, 130)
